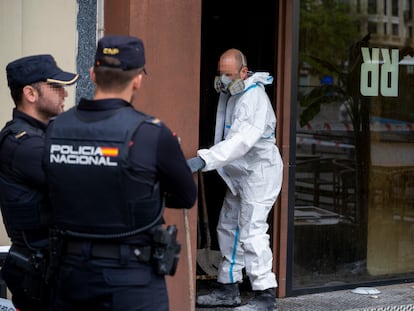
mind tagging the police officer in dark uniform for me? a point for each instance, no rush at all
(109, 167)
(37, 88)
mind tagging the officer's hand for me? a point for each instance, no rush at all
(196, 164)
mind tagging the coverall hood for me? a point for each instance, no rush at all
(258, 77)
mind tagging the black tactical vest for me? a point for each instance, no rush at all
(29, 212)
(91, 180)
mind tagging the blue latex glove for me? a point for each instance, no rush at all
(196, 164)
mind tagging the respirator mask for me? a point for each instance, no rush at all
(225, 85)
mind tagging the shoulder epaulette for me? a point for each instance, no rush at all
(19, 129)
(20, 134)
(154, 121)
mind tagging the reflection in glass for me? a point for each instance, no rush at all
(354, 191)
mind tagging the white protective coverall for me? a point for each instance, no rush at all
(246, 157)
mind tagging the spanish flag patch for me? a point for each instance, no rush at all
(109, 151)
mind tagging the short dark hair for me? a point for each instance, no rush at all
(114, 79)
(16, 92)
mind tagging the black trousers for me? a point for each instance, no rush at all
(88, 283)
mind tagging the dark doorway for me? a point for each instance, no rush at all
(251, 28)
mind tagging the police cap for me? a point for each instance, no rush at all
(37, 68)
(122, 52)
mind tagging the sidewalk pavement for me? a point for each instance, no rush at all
(398, 297)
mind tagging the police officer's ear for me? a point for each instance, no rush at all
(137, 81)
(30, 93)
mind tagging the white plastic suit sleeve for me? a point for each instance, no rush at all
(247, 128)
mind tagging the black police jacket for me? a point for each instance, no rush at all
(22, 187)
(93, 186)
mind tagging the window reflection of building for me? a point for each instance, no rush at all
(389, 26)
(327, 215)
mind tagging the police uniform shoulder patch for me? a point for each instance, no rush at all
(20, 134)
(154, 121)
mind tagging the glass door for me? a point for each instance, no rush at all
(354, 180)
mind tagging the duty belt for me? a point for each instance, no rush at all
(109, 250)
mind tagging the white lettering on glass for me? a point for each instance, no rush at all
(371, 84)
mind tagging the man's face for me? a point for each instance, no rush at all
(51, 99)
(230, 68)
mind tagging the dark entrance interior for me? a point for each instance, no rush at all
(252, 28)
